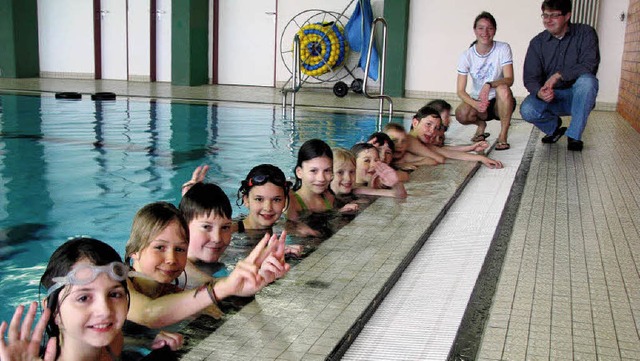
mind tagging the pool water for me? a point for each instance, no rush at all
(81, 167)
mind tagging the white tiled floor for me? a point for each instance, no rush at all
(576, 230)
(419, 318)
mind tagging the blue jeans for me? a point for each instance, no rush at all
(577, 101)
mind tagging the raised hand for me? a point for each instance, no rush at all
(387, 175)
(197, 176)
(248, 278)
(21, 343)
(274, 265)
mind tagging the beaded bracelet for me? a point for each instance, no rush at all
(212, 292)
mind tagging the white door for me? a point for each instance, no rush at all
(247, 43)
(138, 29)
(114, 39)
(163, 40)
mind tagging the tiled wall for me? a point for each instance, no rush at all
(629, 96)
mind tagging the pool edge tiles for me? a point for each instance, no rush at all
(319, 307)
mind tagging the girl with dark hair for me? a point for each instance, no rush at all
(314, 171)
(265, 193)
(86, 306)
(489, 64)
(313, 204)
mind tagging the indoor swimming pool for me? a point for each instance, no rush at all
(82, 167)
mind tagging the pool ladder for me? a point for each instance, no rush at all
(296, 84)
(295, 77)
(383, 62)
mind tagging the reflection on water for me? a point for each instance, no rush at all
(72, 168)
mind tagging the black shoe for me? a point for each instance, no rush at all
(557, 134)
(574, 144)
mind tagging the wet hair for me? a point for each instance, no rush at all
(312, 148)
(344, 155)
(487, 16)
(203, 199)
(382, 138)
(424, 112)
(361, 147)
(564, 6)
(394, 126)
(261, 174)
(440, 105)
(149, 221)
(62, 261)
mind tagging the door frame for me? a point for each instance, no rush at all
(216, 34)
(97, 38)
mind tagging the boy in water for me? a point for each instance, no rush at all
(420, 141)
(207, 210)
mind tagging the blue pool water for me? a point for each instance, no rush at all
(84, 168)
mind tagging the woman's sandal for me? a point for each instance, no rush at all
(480, 137)
(502, 145)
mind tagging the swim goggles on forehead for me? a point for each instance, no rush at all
(260, 179)
(87, 273)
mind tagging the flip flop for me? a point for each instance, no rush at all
(480, 137)
(502, 146)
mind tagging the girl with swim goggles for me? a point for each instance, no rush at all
(85, 308)
(265, 193)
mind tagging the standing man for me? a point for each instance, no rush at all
(560, 74)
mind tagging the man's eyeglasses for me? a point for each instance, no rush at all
(552, 16)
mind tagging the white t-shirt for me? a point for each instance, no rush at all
(484, 68)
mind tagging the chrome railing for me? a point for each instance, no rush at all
(383, 61)
(295, 79)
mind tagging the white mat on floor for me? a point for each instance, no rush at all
(419, 318)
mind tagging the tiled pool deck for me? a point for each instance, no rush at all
(569, 286)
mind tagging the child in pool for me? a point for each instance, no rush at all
(384, 144)
(423, 127)
(85, 308)
(207, 210)
(158, 247)
(314, 171)
(386, 149)
(438, 138)
(344, 175)
(374, 177)
(402, 159)
(444, 108)
(265, 193)
(344, 179)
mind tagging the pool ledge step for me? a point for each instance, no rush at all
(317, 310)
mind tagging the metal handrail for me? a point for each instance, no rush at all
(383, 61)
(296, 84)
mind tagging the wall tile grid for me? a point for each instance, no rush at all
(629, 95)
